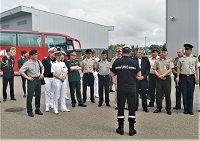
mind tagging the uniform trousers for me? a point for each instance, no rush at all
(88, 80)
(163, 85)
(96, 84)
(60, 92)
(121, 99)
(34, 87)
(23, 84)
(75, 85)
(49, 91)
(152, 88)
(104, 84)
(11, 84)
(142, 84)
(187, 86)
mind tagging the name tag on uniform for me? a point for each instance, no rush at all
(164, 67)
(190, 66)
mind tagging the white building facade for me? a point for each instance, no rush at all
(90, 35)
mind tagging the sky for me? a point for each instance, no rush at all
(133, 20)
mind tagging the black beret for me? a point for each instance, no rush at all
(188, 46)
(32, 52)
(103, 52)
(164, 49)
(88, 51)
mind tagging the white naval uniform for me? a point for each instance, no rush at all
(96, 81)
(60, 87)
(49, 92)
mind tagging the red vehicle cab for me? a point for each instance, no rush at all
(41, 41)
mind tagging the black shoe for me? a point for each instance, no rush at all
(30, 114)
(38, 112)
(92, 101)
(132, 131)
(150, 105)
(169, 112)
(146, 110)
(82, 105)
(107, 104)
(13, 99)
(116, 108)
(157, 111)
(24, 95)
(185, 112)
(176, 107)
(99, 105)
(112, 91)
(191, 113)
(73, 105)
(4, 99)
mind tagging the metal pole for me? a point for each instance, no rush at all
(145, 40)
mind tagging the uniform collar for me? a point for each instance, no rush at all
(162, 58)
(191, 55)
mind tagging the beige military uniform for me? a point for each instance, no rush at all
(163, 65)
(112, 61)
(187, 65)
(152, 61)
(88, 65)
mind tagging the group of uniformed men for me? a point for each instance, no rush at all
(131, 76)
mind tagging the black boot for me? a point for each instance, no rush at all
(132, 131)
(120, 129)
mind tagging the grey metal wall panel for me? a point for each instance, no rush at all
(13, 23)
(185, 27)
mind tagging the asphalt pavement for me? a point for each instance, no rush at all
(93, 122)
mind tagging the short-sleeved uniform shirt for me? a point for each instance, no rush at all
(32, 68)
(88, 65)
(74, 75)
(163, 65)
(59, 68)
(187, 65)
(103, 67)
(126, 70)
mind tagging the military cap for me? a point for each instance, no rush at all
(52, 49)
(72, 53)
(32, 52)
(164, 49)
(63, 52)
(88, 51)
(103, 52)
(118, 49)
(58, 53)
(188, 46)
(127, 46)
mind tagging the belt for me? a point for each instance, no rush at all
(88, 73)
(103, 75)
(167, 76)
(187, 74)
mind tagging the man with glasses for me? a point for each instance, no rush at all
(180, 53)
(162, 69)
(74, 78)
(187, 67)
(144, 65)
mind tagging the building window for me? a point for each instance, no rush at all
(5, 26)
(21, 22)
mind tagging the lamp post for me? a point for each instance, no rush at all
(145, 39)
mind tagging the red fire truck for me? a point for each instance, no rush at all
(41, 41)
